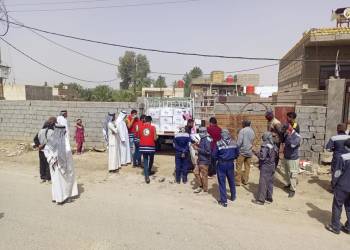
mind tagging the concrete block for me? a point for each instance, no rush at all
(307, 153)
(305, 147)
(312, 141)
(319, 123)
(315, 157)
(304, 116)
(319, 136)
(317, 148)
(312, 129)
(320, 129)
(307, 135)
(304, 128)
(320, 142)
(326, 157)
(305, 122)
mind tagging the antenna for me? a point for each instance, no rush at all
(337, 68)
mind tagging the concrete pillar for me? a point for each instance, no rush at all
(336, 97)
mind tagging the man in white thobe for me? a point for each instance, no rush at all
(62, 121)
(113, 142)
(59, 157)
(125, 153)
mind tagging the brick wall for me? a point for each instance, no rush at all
(231, 116)
(312, 122)
(21, 120)
(311, 119)
(234, 122)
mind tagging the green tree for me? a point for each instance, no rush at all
(124, 96)
(188, 77)
(102, 93)
(196, 72)
(133, 69)
(76, 91)
(160, 82)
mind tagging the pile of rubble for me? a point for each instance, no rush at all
(19, 150)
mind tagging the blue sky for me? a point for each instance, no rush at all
(237, 28)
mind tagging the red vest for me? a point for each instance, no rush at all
(146, 134)
(138, 125)
(133, 126)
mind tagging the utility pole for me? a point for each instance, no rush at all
(4, 72)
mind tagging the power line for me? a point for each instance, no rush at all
(50, 68)
(4, 13)
(75, 51)
(168, 51)
(58, 3)
(106, 7)
(152, 72)
(115, 65)
(226, 72)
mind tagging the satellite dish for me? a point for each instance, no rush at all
(347, 13)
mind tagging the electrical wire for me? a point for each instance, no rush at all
(115, 65)
(50, 68)
(58, 3)
(105, 7)
(4, 12)
(168, 51)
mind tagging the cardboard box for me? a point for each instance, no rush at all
(179, 120)
(166, 112)
(178, 112)
(166, 127)
(154, 113)
(166, 120)
(156, 121)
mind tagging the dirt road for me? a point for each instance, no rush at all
(121, 212)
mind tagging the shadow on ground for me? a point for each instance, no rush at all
(277, 181)
(2, 215)
(252, 188)
(325, 184)
(81, 189)
(323, 216)
(214, 191)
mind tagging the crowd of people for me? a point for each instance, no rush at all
(208, 151)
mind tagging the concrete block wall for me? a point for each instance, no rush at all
(311, 119)
(21, 120)
(312, 122)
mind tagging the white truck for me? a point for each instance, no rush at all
(169, 115)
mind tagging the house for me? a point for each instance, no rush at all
(163, 92)
(304, 70)
(16, 92)
(217, 85)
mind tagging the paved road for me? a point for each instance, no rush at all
(123, 213)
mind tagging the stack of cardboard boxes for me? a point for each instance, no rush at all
(169, 119)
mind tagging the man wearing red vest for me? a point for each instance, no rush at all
(148, 136)
(131, 123)
(137, 154)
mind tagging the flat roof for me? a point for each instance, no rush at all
(323, 36)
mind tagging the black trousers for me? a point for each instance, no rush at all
(44, 167)
(265, 190)
(341, 198)
(212, 167)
